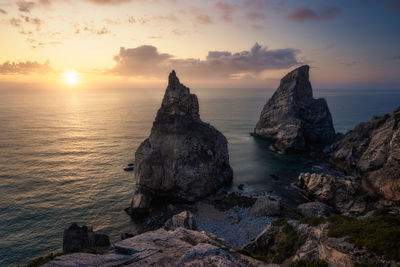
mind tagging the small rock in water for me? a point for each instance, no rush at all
(241, 186)
(128, 169)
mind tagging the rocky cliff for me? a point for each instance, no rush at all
(293, 119)
(372, 151)
(184, 158)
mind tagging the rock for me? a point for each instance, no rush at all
(126, 235)
(338, 192)
(265, 206)
(181, 247)
(185, 219)
(128, 169)
(302, 241)
(293, 119)
(184, 158)
(80, 238)
(372, 151)
(240, 187)
(314, 209)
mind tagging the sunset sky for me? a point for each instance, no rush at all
(210, 43)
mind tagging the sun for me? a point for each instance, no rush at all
(71, 77)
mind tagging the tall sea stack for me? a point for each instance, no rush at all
(184, 158)
(293, 119)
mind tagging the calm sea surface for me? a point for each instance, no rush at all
(62, 155)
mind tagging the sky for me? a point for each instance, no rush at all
(210, 43)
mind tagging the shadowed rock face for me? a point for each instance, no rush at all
(293, 119)
(372, 151)
(183, 158)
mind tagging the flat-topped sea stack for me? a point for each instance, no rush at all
(372, 151)
(293, 119)
(184, 158)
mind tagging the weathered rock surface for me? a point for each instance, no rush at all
(339, 192)
(185, 219)
(78, 238)
(372, 151)
(308, 242)
(293, 119)
(265, 206)
(183, 158)
(181, 247)
(314, 209)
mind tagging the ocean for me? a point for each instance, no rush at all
(62, 155)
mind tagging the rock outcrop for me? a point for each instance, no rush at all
(293, 119)
(184, 158)
(185, 219)
(78, 238)
(181, 247)
(314, 209)
(266, 206)
(372, 151)
(285, 242)
(341, 193)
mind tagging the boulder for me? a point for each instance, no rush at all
(314, 209)
(293, 119)
(265, 206)
(338, 192)
(184, 158)
(78, 238)
(372, 151)
(181, 247)
(185, 219)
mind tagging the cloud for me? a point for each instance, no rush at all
(23, 21)
(27, 67)
(201, 17)
(396, 57)
(146, 61)
(226, 9)
(305, 13)
(108, 2)
(2, 11)
(25, 6)
(253, 16)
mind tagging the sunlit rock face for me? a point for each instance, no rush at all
(183, 158)
(293, 119)
(372, 150)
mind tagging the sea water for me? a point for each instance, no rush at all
(62, 155)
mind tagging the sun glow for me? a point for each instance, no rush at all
(70, 77)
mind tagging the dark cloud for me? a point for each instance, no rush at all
(253, 16)
(25, 6)
(147, 61)
(226, 9)
(305, 13)
(28, 67)
(2, 11)
(23, 21)
(200, 17)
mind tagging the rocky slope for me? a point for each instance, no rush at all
(184, 158)
(293, 119)
(181, 247)
(372, 151)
